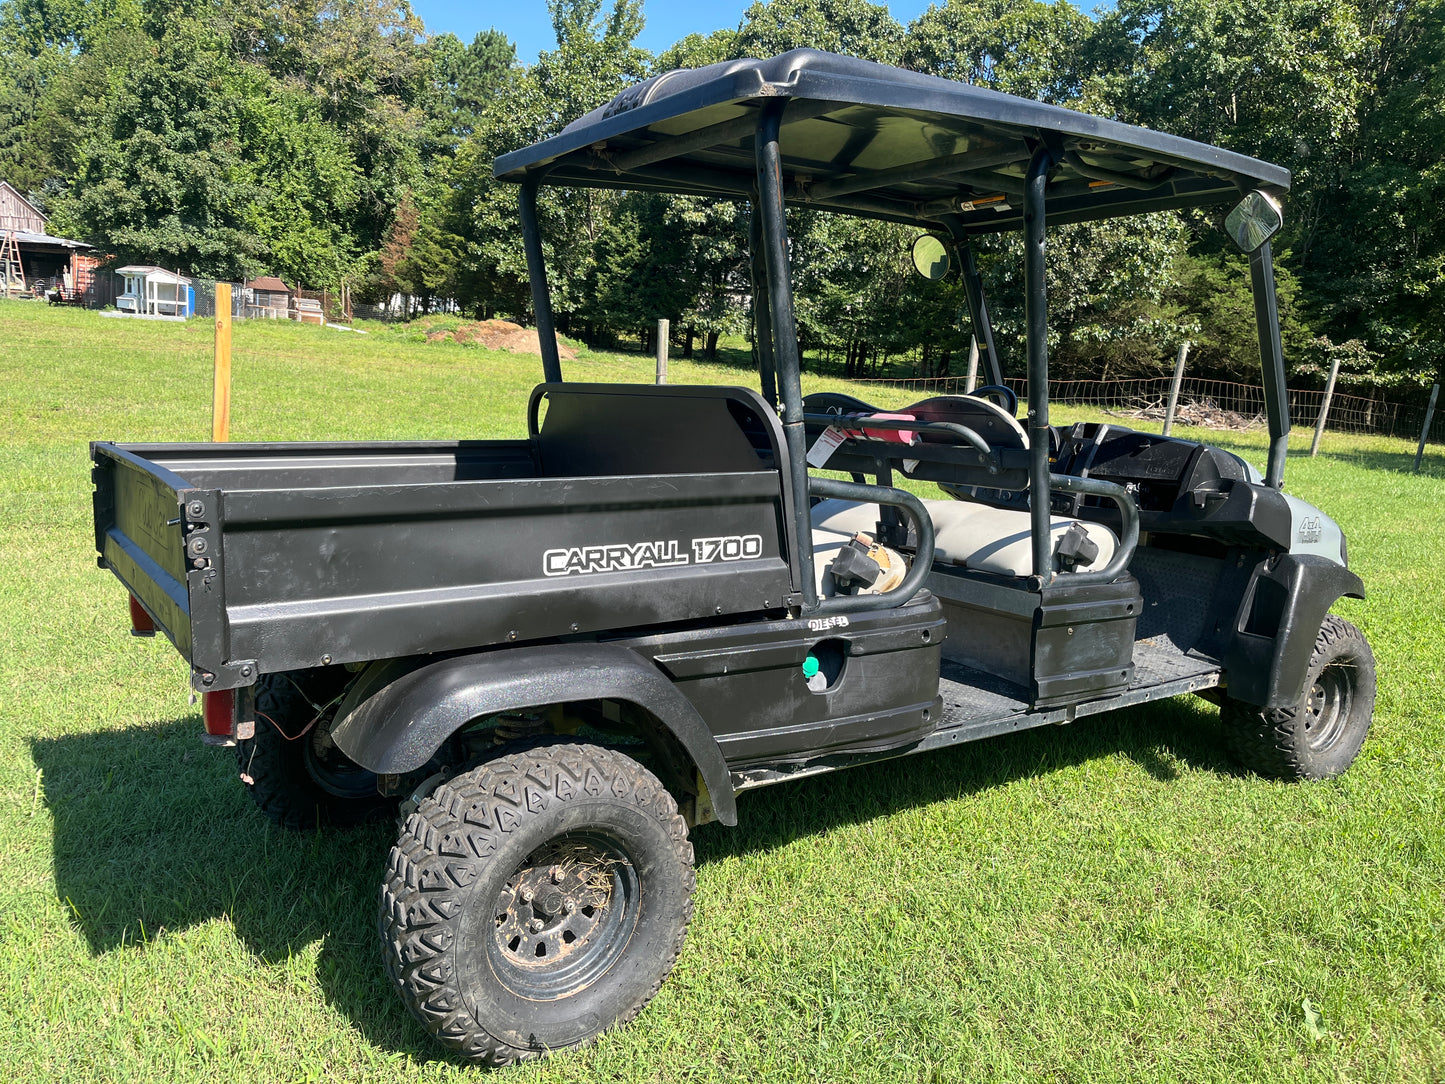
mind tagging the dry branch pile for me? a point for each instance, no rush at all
(1205, 413)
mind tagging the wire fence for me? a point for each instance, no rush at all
(1217, 403)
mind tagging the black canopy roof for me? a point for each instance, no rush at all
(865, 138)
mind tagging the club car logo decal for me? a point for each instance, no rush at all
(662, 553)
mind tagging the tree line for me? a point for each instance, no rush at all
(335, 141)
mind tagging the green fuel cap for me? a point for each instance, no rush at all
(810, 666)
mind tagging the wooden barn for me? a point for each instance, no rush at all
(34, 263)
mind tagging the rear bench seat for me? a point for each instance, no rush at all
(975, 536)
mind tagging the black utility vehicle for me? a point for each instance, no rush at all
(560, 653)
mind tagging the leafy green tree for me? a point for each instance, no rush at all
(713, 236)
(1376, 261)
(698, 51)
(486, 68)
(55, 61)
(851, 27)
(162, 178)
(594, 59)
(1347, 96)
(1025, 47)
(467, 77)
(203, 162)
(1277, 80)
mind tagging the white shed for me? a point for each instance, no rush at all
(154, 291)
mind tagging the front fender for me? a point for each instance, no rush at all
(400, 725)
(1277, 625)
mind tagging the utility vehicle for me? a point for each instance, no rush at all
(558, 654)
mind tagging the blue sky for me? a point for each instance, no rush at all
(529, 25)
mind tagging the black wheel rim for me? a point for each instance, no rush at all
(333, 771)
(1327, 707)
(564, 917)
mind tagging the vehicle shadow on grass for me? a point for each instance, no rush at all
(153, 834)
(1160, 738)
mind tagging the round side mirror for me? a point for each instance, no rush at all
(930, 257)
(1254, 220)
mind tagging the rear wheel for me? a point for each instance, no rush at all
(292, 769)
(1320, 736)
(536, 900)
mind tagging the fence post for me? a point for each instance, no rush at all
(662, 326)
(221, 386)
(1174, 387)
(1325, 406)
(1425, 430)
(972, 381)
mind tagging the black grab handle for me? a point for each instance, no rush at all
(922, 558)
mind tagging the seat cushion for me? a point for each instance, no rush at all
(976, 536)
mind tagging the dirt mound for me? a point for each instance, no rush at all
(496, 335)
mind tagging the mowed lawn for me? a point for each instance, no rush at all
(1106, 901)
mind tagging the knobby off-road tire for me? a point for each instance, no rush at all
(294, 774)
(1320, 736)
(537, 900)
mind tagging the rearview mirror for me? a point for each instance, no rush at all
(930, 257)
(1254, 220)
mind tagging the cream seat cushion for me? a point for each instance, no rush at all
(976, 536)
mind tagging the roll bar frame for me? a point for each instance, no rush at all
(776, 344)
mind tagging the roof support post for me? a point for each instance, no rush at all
(977, 303)
(1271, 356)
(1036, 320)
(537, 275)
(785, 338)
(762, 310)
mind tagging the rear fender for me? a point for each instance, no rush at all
(403, 715)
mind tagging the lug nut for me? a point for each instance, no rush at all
(556, 875)
(527, 895)
(535, 925)
(568, 907)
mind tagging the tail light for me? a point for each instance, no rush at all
(140, 621)
(218, 710)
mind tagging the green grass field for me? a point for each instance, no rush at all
(1108, 901)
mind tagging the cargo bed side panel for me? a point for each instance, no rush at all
(346, 574)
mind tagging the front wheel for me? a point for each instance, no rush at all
(536, 900)
(1319, 737)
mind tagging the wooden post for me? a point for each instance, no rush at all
(221, 388)
(1174, 386)
(1325, 406)
(1425, 430)
(662, 326)
(972, 381)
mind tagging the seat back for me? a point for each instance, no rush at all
(938, 457)
(987, 419)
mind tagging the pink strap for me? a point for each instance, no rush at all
(897, 436)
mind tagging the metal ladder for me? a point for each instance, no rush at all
(12, 273)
